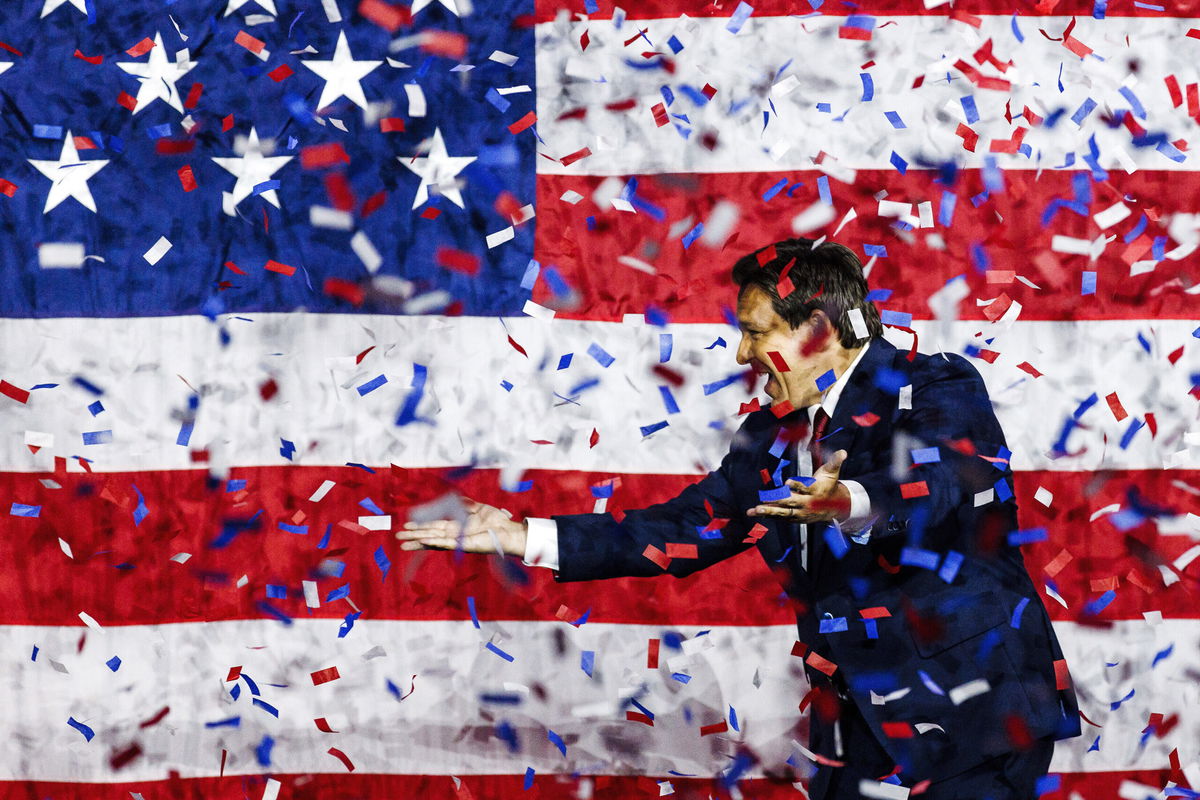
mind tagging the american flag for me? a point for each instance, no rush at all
(280, 274)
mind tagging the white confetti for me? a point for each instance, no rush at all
(155, 253)
(963, 693)
(60, 255)
(321, 491)
(500, 57)
(376, 523)
(500, 237)
(416, 99)
(366, 252)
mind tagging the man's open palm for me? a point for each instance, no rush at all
(487, 529)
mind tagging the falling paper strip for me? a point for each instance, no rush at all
(157, 251)
(60, 255)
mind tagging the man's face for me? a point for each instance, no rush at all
(807, 351)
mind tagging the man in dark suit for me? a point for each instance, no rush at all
(879, 481)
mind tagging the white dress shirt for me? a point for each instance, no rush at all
(541, 543)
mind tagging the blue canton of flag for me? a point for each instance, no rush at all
(209, 156)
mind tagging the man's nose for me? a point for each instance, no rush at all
(743, 351)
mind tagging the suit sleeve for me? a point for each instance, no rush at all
(677, 537)
(954, 428)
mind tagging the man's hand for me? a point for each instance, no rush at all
(487, 529)
(825, 499)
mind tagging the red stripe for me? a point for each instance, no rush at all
(122, 574)
(356, 786)
(670, 9)
(692, 284)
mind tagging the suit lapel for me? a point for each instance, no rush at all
(859, 396)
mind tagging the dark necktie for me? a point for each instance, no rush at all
(819, 426)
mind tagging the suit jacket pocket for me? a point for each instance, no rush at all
(941, 621)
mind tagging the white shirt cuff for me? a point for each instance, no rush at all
(860, 508)
(541, 542)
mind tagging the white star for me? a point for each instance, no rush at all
(4, 65)
(250, 170)
(50, 5)
(265, 5)
(449, 4)
(158, 76)
(69, 176)
(438, 170)
(342, 75)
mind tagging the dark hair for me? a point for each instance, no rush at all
(828, 276)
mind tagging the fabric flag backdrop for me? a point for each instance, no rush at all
(279, 275)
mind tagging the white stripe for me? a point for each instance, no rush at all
(146, 367)
(772, 51)
(441, 728)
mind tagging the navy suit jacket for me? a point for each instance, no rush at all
(961, 606)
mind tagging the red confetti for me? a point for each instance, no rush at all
(457, 260)
(708, 91)
(324, 675)
(652, 654)
(1194, 33)
(571, 158)
(234, 268)
(227, 122)
(717, 727)
(14, 392)
(911, 490)
(344, 290)
(157, 718)
(517, 347)
(341, 196)
(637, 716)
(249, 42)
(186, 179)
(593, 439)
(174, 147)
(282, 269)
(874, 612)
(391, 125)
(10, 48)
(1025, 366)
(778, 361)
(234, 674)
(851, 32)
(323, 155)
(384, 15)
(89, 59)
(7, 187)
(127, 100)
(584, 41)
(866, 420)
(897, 730)
(444, 43)
(323, 725)
(799, 649)
(373, 204)
(747, 408)
(193, 97)
(523, 123)
(281, 73)
(660, 114)
(820, 663)
(431, 212)
(657, 556)
(781, 410)
(1114, 405)
(141, 48)
(340, 756)
(677, 550)
(970, 138)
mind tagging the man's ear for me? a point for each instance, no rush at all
(820, 329)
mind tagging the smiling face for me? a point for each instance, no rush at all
(808, 351)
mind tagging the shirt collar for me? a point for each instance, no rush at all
(829, 399)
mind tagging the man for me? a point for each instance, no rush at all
(932, 660)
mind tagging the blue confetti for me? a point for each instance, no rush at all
(775, 189)
(531, 274)
(22, 510)
(408, 412)
(96, 408)
(1082, 112)
(896, 319)
(681, 677)
(97, 437)
(946, 208)
(668, 399)
(287, 449)
(715, 386)
(930, 683)
(263, 751)
(113, 663)
(666, 343)
(299, 530)
(825, 380)
(265, 706)
(47, 132)
(1117, 703)
(231, 722)
(1015, 622)
(601, 357)
(259, 188)
(338, 593)
(557, 741)
(899, 163)
(587, 661)
(823, 190)
(372, 385)
(499, 652)
(926, 455)
(733, 720)
(529, 773)
(720, 342)
(471, 611)
(836, 541)
(919, 557)
(1016, 31)
(692, 235)
(774, 495)
(1094, 607)
(565, 360)
(381, 561)
(950, 566)
(834, 625)
(1161, 654)
(87, 732)
(1003, 491)
(969, 109)
(1028, 536)
(868, 85)
(740, 15)
(649, 429)
(1135, 425)
(1088, 283)
(894, 118)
